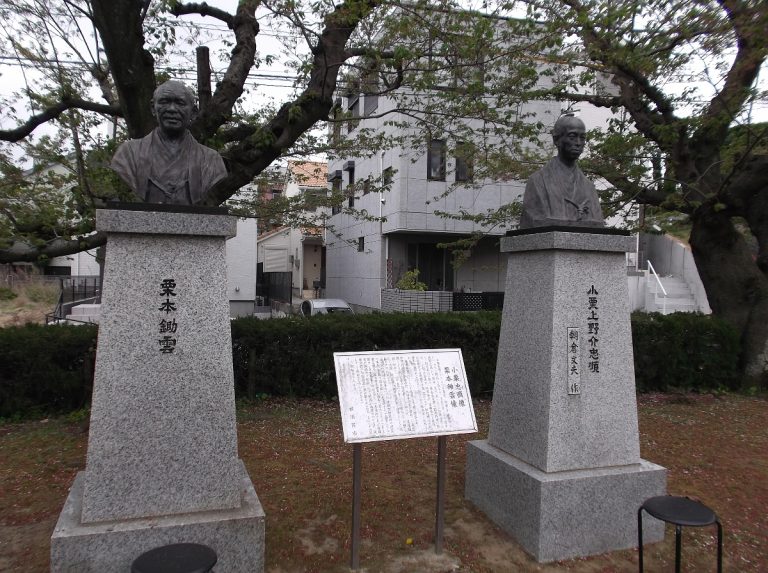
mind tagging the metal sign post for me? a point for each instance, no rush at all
(356, 495)
(440, 510)
(401, 394)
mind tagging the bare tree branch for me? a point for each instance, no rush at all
(633, 84)
(183, 9)
(230, 88)
(252, 155)
(749, 25)
(21, 251)
(53, 112)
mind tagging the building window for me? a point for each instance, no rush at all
(436, 160)
(350, 168)
(371, 104)
(360, 244)
(386, 176)
(354, 113)
(371, 91)
(367, 185)
(464, 163)
(335, 192)
(276, 193)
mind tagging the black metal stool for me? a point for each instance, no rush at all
(176, 558)
(681, 511)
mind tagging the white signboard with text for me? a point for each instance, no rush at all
(403, 394)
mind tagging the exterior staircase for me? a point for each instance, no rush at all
(678, 298)
(84, 313)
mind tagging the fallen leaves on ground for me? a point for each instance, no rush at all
(715, 449)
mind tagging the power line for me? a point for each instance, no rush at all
(31, 63)
(211, 27)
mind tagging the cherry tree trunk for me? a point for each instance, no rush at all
(736, 287)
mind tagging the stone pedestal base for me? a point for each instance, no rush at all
(162, 464)
(563, 514)
(237, 536)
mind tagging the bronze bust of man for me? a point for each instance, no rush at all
(559, 194)
(168, 165)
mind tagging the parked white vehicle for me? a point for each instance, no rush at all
(325, 306)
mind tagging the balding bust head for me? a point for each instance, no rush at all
(173, 106)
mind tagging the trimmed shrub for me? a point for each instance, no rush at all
(684, 351)
(294, 356)
(45, 369)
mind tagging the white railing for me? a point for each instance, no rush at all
(661, 286)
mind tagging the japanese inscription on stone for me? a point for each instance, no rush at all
(167, 326)
(593, 331)
(573, 362)
(403, 394)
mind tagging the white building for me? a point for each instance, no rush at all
(294, 257)
(366, 258)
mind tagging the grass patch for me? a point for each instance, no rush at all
(27, 302)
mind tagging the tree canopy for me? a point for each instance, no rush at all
(680, 78)
(137, 39)
(681, 83)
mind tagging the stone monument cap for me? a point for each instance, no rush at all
(568, 239)
(153, 219)
(167, 208)
(568, 229)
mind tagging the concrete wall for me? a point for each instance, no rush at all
(241, 268)
(637, 281)
(80, 264)
(353, 275)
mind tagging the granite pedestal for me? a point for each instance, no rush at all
(561, 468)
(162, 464)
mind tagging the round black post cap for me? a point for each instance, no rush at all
(176, 558)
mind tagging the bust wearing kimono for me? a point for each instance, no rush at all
(168, 165)
(559, 194)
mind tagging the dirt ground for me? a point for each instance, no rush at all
(715, 447)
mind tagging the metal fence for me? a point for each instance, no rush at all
(274, 287)
(463, 301)
(74, 291)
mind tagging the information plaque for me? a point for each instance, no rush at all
(403, 394)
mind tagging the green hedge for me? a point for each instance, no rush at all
(684, 351)
(45, 369)
(50, 369)
(294, 356)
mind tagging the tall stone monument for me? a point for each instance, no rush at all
(561, 468)
(162, 464)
